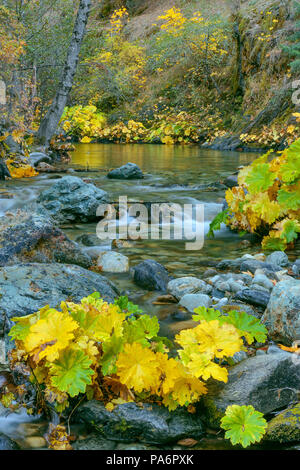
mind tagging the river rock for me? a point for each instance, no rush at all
(256, 297)
(231, 181)
(94, 442)
(28, 287)
(282, 316)
(285, 427)
(113, 262)
(130, 171)
(252, 265)
(89, 239)
(72, 200)
(28, 236)
(188, 285)
(151, 275)
(192, 301)
(7, 444)
(263, 281)
(279, 258)
(267, 382)
(150, 423)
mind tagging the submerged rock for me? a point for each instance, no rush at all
(188, 285)
(27, 236)
(129, 171)
(267, 382)
(28, 287)
(111, 261)
(71, 200)
(151, 275)
(282, 316)
(7, 444)
(285, 427)
(152, 424)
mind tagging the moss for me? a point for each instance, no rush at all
(211, 413)
(285, 427)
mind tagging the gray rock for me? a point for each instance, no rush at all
(267, 382)
(262, 280)
(29, 236)
(35, 158)
(94, 442)
(260, 352)
(258, 298)
(71, 199)
(261, 288)
(239, 357)
(279, 258)
(282, 316)
(274, 350)
(192, 301)
(230, 263)
(151, 424)
(126, 172)
(252, 265)
(151, 275)
(26, 288)
(231, 181)
(89, 239)
(7, 444)
(188, 285)
(113, 262)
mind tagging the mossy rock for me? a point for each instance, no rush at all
(285, 427)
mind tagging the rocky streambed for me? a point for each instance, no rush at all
(49, 252)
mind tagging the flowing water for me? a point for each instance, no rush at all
(173, 174)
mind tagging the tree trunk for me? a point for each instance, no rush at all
(240, 81)
(50, 122)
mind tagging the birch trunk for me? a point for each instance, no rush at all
(50, 122)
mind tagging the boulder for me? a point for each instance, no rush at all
(113, 262)
(282, 316)
(187, 285)
(27, 236)
(26, 288)
(285, 427)
(130, 171)
(72, 200)
(192, 301)
(150, 423)
(151, 275)
(256, 297)
(267, 382)
(279, 258)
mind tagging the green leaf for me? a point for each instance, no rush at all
(291, 169)
(248, 325)
(140, 330)
(71, 373)
(260, 178)
(111, 349)
(271, 243)
(289, 197)
(220, 218)
(206, 314)
(243, 425)
(126, 306)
